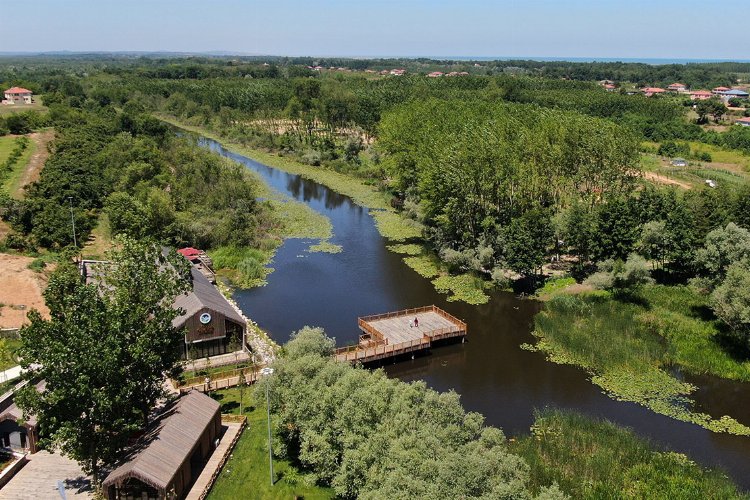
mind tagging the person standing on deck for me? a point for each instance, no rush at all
(416, 322)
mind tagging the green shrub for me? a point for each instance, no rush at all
(37, 265)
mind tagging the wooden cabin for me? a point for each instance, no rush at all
(16, 433)
(211, 323)
(165, 462)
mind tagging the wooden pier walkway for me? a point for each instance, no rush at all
(392, 334)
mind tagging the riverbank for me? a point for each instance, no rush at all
(396, 228)
(565, 452)
(635, 350)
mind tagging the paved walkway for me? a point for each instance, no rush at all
(11, 373)
(38, 479)
(216, 458)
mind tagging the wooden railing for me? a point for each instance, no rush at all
(363, 326)
(251, 373)
(403, 312)
(408, 312)
(354, 353)
(372, 345)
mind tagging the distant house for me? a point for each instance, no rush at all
(171, 454)
(398, 72)
(679, 162)
(700, 95)
(435, 74)
(17, 95)
(719, 90)
(744, 122)
(651, 91)
(677, 87)
(609, 87)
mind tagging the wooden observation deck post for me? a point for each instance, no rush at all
(392, 334)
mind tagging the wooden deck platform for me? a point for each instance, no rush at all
(392, 334)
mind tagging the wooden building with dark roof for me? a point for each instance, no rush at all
(165, 462)
(210, 322)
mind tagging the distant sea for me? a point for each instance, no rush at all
(652, 61)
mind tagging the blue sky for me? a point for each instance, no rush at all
(542, 28)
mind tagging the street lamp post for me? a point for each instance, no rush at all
(266, 372)
(73, 221)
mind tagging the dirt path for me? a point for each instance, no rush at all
(661, 179)
(20, 290)
(36, 162)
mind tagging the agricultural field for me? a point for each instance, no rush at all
(727, 167)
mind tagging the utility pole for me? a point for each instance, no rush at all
(266, 372)
(72, 221)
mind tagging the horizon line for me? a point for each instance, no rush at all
(223, 53)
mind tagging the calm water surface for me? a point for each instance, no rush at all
(490, 371)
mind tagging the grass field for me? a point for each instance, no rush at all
(592, 459)
(628, 347)
(18, 108)
(8, 348)
(246, 473)
(10, 181)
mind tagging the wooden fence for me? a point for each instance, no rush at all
(228, 452)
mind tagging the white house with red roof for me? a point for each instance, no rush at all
(700, 95)
(744, 122)
(720, 90)
(677, 87)
(436, 74)
(17, 95)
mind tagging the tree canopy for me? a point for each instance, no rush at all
(104, 352)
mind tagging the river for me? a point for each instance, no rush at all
(493, 375)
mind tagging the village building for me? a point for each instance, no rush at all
(719, 90)
(17, 95)
(700, 95)
(743, 122)
(435, 74)
(211, 324)
(733, 94)
(167, 459)
(397, 72)
(652, 91)
(677, 87)
(609, 87)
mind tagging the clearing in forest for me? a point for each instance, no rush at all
(20, 290)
